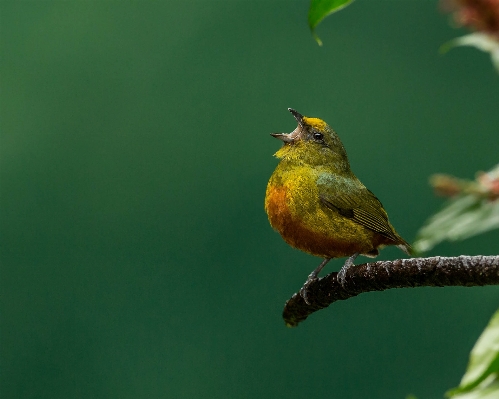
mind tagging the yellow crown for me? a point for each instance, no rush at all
(316, 123)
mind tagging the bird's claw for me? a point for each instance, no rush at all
(342, 275)
(304, 289)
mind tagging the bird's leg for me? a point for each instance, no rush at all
(343, 272)
(311, 278)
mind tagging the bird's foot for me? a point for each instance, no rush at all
(343, 272)
(312, 277)
(341, 275)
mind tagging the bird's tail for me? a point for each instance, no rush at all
(404, 246)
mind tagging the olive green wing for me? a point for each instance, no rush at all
(351, 199)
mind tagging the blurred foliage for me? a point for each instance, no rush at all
(481, 380)
(482, 16)
(474, 209)
(480, 41)
(320, 9)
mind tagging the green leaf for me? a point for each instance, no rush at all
(481, 378)
(474, 211)
(490, 391)
(320, 9)
(479, 40)
(463, 217)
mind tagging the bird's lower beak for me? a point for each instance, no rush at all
(287, 138)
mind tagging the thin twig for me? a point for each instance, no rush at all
(466, 271)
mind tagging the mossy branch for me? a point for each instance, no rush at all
(465, 271)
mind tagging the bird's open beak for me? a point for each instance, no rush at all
(295, 134)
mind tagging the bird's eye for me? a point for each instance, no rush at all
(318, 136)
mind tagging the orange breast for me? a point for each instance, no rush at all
(331, 241)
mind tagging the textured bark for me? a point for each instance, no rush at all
(465, 271)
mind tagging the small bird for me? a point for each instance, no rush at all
(319, 206)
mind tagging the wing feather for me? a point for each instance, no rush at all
(351, 199)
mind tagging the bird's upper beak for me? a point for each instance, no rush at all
(297, 115)
(295, 134)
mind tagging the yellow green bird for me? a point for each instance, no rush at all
(318, 205)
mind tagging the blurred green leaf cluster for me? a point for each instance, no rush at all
(481, 380)
(474, 209)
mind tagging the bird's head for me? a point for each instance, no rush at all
(313, 142)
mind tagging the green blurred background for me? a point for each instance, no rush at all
(137, 260)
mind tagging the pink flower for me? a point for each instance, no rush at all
(478, 15)
(490, 184)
